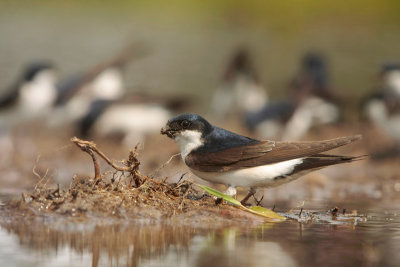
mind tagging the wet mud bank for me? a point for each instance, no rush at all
(123, 194)
(126, 195)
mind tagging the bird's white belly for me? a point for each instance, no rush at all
(250, 96)
(126, 118)
(314, 111)
(73, 111)
(261, 176)
(377, 112)
(108, 85)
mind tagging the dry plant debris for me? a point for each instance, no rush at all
(332, 216)
(124, 193)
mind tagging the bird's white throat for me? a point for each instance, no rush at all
(188, 141)
(393, 81)
(40, 93)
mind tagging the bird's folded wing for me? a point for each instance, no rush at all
(263, 153)
(9, 98)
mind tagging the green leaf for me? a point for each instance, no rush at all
(216, 193)
(266, 213)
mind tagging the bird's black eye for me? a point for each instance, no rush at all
(185, 123)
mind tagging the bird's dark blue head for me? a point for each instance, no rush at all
(314, 67)
(183, 122)
(388, 67)
(32, 69)
(313, 61)
(240, 63)
(241, 60)
(192, 132)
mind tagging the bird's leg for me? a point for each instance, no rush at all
(230, 191)
(252, 191)
(258, 201)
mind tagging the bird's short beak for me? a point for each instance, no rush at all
(168, 131)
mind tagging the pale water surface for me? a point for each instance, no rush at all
(48, 242)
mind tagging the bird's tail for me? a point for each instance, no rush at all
(319, 161)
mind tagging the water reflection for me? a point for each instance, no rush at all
(99, 244)
(59, 243)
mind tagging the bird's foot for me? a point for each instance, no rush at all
(252, 191)
(244, 203)
(258, 202)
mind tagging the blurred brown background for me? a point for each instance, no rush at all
(192, 41)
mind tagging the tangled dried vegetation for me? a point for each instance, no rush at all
(124, 193)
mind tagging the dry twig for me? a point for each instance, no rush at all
(131, 165)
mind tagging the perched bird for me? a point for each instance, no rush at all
(32, 95)
(220, 156)
(310, 102)
(382, 107)
(240, 90)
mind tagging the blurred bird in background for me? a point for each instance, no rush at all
(32, 95)
(98, 104)
(77, 92)
(130, 119)
(95, 103)
(311, 101)
(122, 120)
(30, 98)
(240, 90)
(382, 107)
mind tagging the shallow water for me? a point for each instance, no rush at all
(48, 242)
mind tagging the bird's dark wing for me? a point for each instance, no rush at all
(97, 108)
(68, 87)
(319, 161)
(258, 154)
(174, 103)
(10, 97)
(280, 111)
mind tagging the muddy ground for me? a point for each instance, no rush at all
(50, 176)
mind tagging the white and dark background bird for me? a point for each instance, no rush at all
(381, 107)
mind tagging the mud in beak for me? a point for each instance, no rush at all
(168, 132)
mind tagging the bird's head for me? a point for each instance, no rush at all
(34, 69)
(186, 124)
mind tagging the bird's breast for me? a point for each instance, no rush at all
(188, 141)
